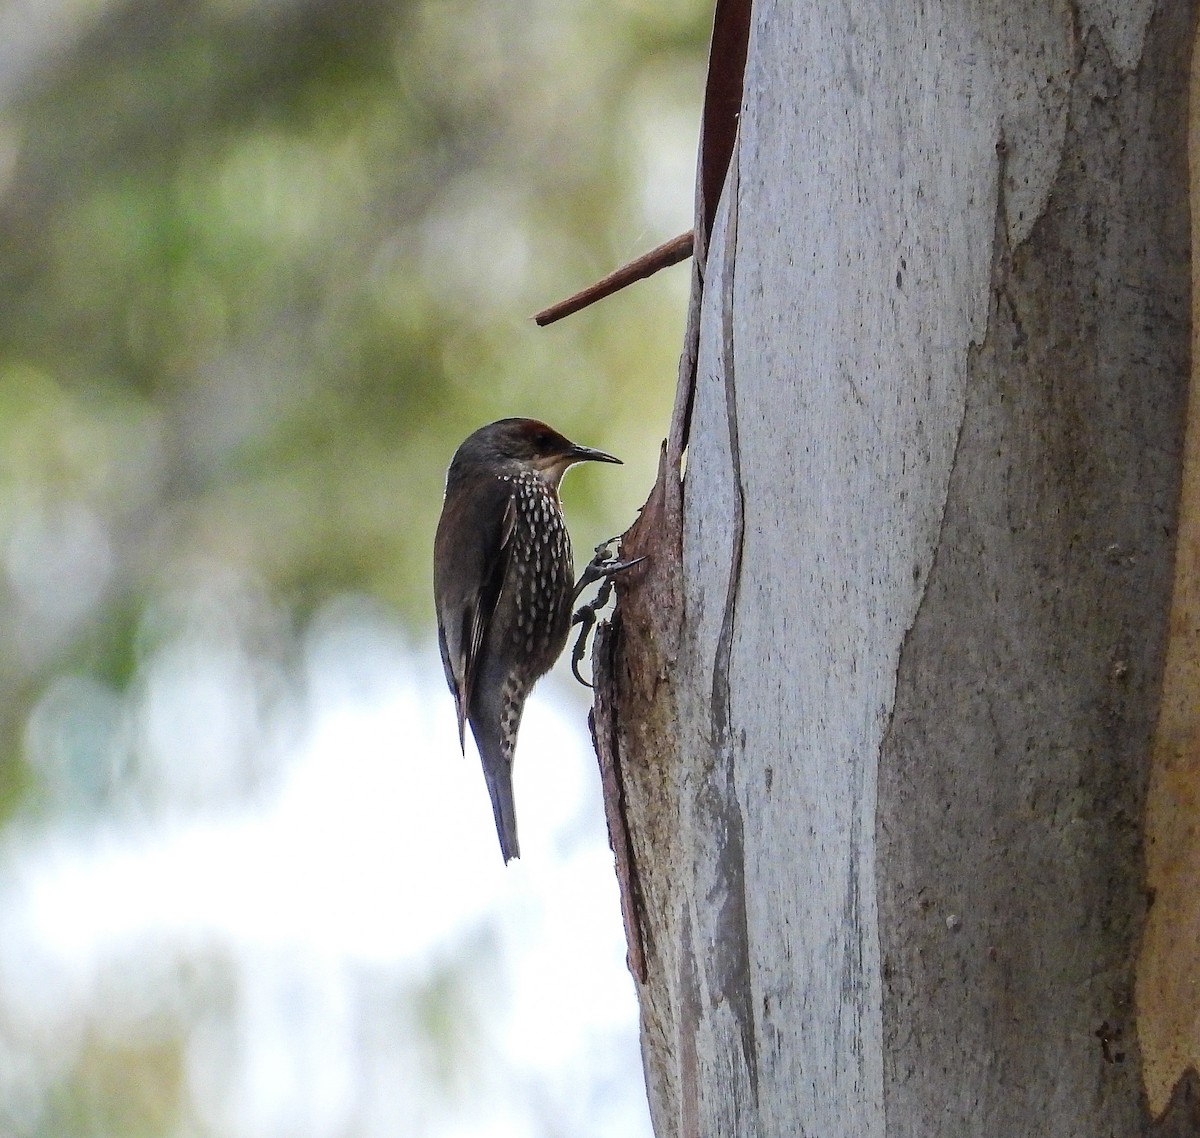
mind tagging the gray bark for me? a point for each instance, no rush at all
(880, 706)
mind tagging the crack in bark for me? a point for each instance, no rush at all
(850, 980)
(731, 956)
(720, 686)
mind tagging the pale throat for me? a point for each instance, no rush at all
(551, 470)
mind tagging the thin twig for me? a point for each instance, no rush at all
(670, 253)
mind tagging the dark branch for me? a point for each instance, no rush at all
(670, 253)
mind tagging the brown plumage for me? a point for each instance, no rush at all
(503, 582)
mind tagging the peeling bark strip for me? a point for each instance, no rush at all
(635, 697)
(718, 137)
(722, 108)
(640, 803)
(881, 700)
(601, 723)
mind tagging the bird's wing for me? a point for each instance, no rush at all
(472, 557)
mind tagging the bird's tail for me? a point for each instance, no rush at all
(497, 770)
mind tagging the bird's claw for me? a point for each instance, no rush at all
(602, 568)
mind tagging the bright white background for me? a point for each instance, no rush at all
(336, 938)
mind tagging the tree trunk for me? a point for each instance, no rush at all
(876, 716)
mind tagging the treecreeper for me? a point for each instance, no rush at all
(504, 584)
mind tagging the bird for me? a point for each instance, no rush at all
(504, 584)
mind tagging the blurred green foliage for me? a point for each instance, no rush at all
(263, 263)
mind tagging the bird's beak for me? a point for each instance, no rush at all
(588, 454)
(553, 469)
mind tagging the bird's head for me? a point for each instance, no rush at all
(511, 446)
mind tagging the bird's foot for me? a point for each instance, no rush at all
(602, 567)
